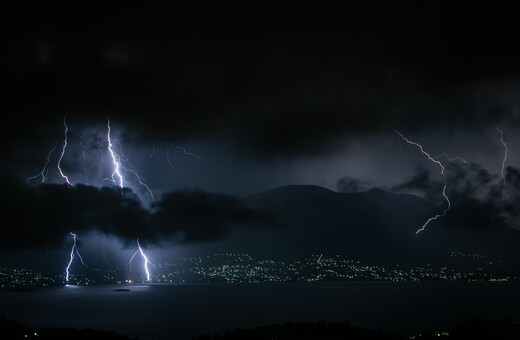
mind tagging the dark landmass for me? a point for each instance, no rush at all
(473, 329)
(477, 329)
(303, 331)
(14, 330)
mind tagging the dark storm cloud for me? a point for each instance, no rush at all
(478, 198)
(349, 184)
(43, 215)
(276, 81)
(421, 181)
(511, 209)
(203, 216)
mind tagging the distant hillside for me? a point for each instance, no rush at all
(370, 225)
(375, 225)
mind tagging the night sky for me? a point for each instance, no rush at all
(213, 104)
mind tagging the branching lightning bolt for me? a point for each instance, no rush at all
(168, 159)
(168, 148)
(187, 153)
(45, 171)
(502, 170)
(73, 250)
(450, 158)
(133, 171)
(154, 151)
(117, 161)
(63, 151)
(146, 261)
(436, 161)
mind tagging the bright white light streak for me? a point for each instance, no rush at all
(63, 150)
(450, 158)
(436, 161)
(45, 171)
(146, 261)
(116, 160)
(73, 250)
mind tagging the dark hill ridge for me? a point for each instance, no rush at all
(401, 213)
(372, 225)
(312, 195)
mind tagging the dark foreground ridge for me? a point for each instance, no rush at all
(303, 331)
(473, 329)
(14, 330)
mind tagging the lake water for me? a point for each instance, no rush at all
(157, 311)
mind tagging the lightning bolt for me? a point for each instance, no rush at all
(445, 155)
(73, 250)
(45, 171)
(168, 159)
(116, 159)
(436, 161)
(146, 261)
(186, 152)
(133, 171)
(168, 148)
(117, 162)
(502, 170)
(154, 151)
(63, 150)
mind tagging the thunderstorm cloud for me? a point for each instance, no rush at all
(38, 216)
(479, 200)
(285, 93)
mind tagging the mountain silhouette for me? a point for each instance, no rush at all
(374, 225)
